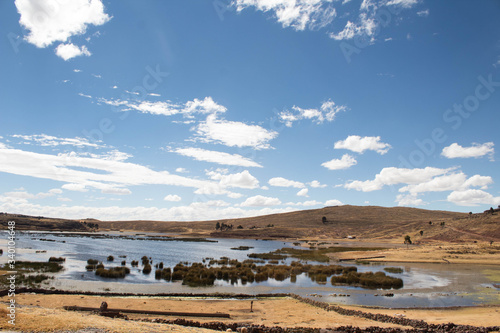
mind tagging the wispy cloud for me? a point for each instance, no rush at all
(216, 157)
(299, 14)
(327, 111)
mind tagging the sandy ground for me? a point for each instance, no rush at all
(472, 253)
(43, 313)
(284, 312)
(477, 316)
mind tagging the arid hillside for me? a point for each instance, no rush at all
(366, 222)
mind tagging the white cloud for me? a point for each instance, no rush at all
(345, 162)
(423, 13)
(172, 197)
(234, 134)
(75, 187)
(203, 106)
(361, 144)
(327, 111)
(472, 197)
(369, 20)
(116, 190)
(82, 173)
(305, 203)
(167, 107)
(181, 170)
(402, 3)
(303, 192)
(216, 157)
(52, 21)
(316, 184)
(394, 176)
(242, 179)
(196, 211)
(283, 182)
(448, 182)
(334, 202)
(153, 94)
(261, 201)
(69, 51)
(476, 150)
(409, 200)
(52, 141)
(298, 14)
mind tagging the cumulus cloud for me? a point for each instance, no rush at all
(242, 179)
(299, 14)
(476, 150)
(448, 182)
(472, 197)
(327, 111)
(53, 21)
(409, 200)
(316, 184)
(303, 192)
(192, 212)
(260, 201)
(394, 176)
(283, 182)
(172, 197)
(307, 203)
(216, 157)
(333, 202)
(203, 106)
(345, 162)
(69, 51)
(360, 144)
(234, 134)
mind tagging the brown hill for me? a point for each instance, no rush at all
(341, 221)
(367, 222)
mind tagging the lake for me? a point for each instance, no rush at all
(425, 285)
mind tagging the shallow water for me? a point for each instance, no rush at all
(425, 285)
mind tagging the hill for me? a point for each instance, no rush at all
(367, 222)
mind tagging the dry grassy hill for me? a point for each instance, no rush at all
(366, 222)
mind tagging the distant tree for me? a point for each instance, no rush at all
(442, 224)
(217, 226)
(492, 210)
(430, 222)
(491, 243)
(324, 219)
(421, 233)
(407, 240)
(240, 227)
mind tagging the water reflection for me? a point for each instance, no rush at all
(425, 285)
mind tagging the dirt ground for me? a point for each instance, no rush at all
(471, 253)
(42, 313)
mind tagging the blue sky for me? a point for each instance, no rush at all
(195, 110)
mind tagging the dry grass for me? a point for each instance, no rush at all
(36, 319)
(270, 312)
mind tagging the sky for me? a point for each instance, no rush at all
(203, 110)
